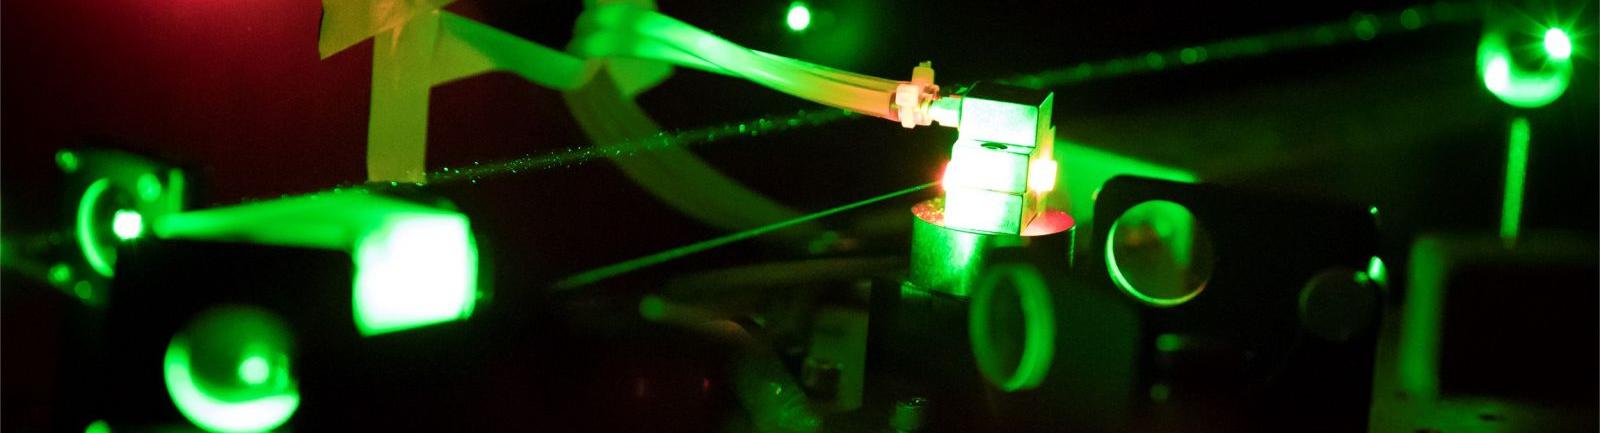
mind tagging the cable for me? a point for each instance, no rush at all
(631, 31)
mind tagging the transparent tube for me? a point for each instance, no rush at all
(630, 31)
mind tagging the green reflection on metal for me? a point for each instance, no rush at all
(799, 16)
(215, 342)
(415, 265)
(97, 255)
(1039, 325)
(1084, 169)
(1378, 272)
(67, 160)
(1515, 85)
(1516, 177)
(1557, 45)
(127, 224)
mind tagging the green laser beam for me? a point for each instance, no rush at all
(595, 275)
(1360, 28)
(1516, 177)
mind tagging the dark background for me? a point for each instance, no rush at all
(235, 90)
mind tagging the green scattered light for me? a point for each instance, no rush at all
(149, 187)
(67, 160)
(1557, 45)
(652, 307)
(1169, 342)
(95, 254)
(60, 274)
(1155, 60)
(1039, 327)
(1411, 19)
(1192, 55)
(83, 290)
(1516, 177)
(212, 345)
(1159, 393)
(799, 16)
(99, 426)
(1366, 27)
(127, 224)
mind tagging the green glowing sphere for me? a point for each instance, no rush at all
(799, 16)
(1525, 85)
(229, 371)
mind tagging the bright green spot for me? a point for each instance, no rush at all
(415, 271)
(1377, 272)
(1516, 177)
(99, 426)
(97, 255)
(127, 224)
(254, 370)
(1557, 45)
(229, 406)
(60, 274)
(1039, 328)
(149, 187)
(67, 160)
(799, 16)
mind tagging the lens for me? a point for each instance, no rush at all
(1159, 253)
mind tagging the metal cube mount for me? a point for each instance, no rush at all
(1003, 129)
